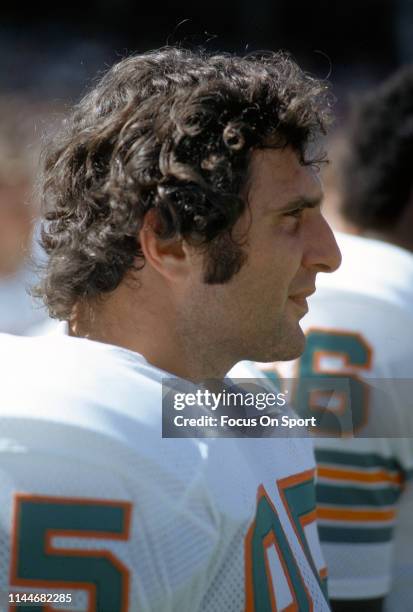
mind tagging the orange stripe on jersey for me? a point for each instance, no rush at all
(296, 479)
(358, 475)
(309, 518)
(335, 514)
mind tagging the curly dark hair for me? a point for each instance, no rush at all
(171, 130)
(377, 173)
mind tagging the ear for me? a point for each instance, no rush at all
(169, 257)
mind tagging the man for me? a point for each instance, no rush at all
(360, 326)
(182, 226)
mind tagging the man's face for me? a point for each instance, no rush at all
(256, 314)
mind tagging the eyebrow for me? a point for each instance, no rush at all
(301, 202)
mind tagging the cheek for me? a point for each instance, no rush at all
(282, 268)
(274, 260)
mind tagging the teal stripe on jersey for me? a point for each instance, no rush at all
(356, 496)
(360, 460)
(352, 535)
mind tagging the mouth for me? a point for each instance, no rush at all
(301, 303)
(300, 300)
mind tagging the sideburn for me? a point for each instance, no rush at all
(222, 260)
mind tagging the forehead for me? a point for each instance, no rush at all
(277, 177)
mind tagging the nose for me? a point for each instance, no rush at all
(321, 253)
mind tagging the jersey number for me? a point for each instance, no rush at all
(268, 555)
(339, 399)
(38, 563)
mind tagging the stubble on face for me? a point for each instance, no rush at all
(276, 246)
(251, 316)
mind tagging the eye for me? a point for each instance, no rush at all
(296, 213)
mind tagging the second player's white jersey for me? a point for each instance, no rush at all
(97, 508)
(360, 325)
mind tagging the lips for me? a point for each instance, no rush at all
(302, 295)
(300, 299)
(301, 302)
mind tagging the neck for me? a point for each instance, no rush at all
(151, 329)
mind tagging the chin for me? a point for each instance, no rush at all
(292, 345)
(289, 346)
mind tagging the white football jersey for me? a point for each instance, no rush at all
(98, 509)
(360, 325)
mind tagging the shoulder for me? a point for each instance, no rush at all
(80, 397)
